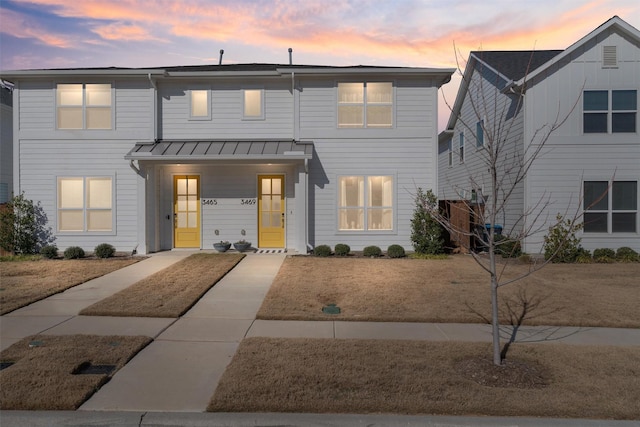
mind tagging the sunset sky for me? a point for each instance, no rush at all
(418, 33)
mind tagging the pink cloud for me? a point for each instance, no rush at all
(18, 25)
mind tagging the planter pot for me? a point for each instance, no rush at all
(221, 247)
(241, 247)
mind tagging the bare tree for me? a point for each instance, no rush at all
(492, 114)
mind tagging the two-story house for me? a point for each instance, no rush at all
(283, 156)
(588, 165)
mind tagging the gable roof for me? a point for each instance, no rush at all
(515, 64)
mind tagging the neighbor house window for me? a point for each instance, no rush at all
(199, 104)
(610, 208)
(450, 153)
(83, 106)
(365, 104)
(253, 104)
(461, 148)
(612, 111)
(85, 204)
(365, 203)
(480, 133)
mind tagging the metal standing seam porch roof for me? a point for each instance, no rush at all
(275, 150)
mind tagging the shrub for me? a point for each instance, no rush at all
(604, 255)
(342, 250)
(507, 247)
(104, 250)
(23, 226)
(372, 251)
(561, 244)
(525, 259)
(626, 254)
(584, 257)
(49, 251)
(322, 250)
(395, 251)
(73, 252)
(426, 233)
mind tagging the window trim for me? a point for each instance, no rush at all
(610, 211)
(480, 134)
(84, 208)
(243, 92)
(450, 153)
(364, 104)
(84, 106)
(208, 93)
(365, 207)
(609, 111)
(461, 148)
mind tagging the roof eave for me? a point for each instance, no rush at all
(13, 74)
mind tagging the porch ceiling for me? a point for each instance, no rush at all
(265, 150)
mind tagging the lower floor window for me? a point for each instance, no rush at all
(610, 207)
(365, 203)
(85, 204)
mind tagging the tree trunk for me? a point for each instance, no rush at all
(495, 323)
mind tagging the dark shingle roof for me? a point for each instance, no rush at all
(515, 64)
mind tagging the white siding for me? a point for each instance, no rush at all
(6, 147)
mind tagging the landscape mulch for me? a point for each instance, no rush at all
(44, 372)
(169, 292)
(418, 377)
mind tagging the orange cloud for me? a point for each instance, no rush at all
(118, 31)
(18, 25)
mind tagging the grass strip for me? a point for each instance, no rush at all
(41, 377)
(453, 290)
(169, 292)
(418, 377)
(25, 282)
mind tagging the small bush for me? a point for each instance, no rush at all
(49, 251)
(561, 244)
(322, 250)
(626, 254)
(604, 255)
(104, 250)
(73, 252)
(507, 247)
(342, 250)
(372, 251)
(525, 259)
(427, 235)
(584, 257)
(395, 251)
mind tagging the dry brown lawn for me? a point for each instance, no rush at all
(454, 290)
(417, 377)
(42, 376)
(25, 282)
(169, 292)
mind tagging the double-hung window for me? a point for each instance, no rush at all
(83, 106)
(610, 207)
(461, 148)
(199, 105)
(450, 153)
(480, 134)
(85, 204)
(365, 203)
(610, 111)
(365, 105)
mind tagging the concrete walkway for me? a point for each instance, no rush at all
(180, 369)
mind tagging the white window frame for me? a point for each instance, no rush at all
(246, 116)
(610, 211)
(365, 205)
(365, 105)
(85, 209)
(85, 107)
(461, 148)
(609, 111)
(206, 116)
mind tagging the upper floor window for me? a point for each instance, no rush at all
(85, 204)
(450, 153)
(83, 106)
(480, 133)
(461, 148)
(200, 104)
(610, 208)
(365, 203)
(253, 104)
(607, 111)
(365, 104)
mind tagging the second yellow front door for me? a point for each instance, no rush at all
(186, 211)
(271, 218)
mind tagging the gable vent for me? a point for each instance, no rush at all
(609, 56)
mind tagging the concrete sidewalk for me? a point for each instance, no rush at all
(179, 371)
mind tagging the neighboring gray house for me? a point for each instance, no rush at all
(6, 143)
(284, 156)
(594, 83)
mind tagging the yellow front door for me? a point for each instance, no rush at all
(271, 211)
(186, 211)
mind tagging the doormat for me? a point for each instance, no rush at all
(271, 251)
